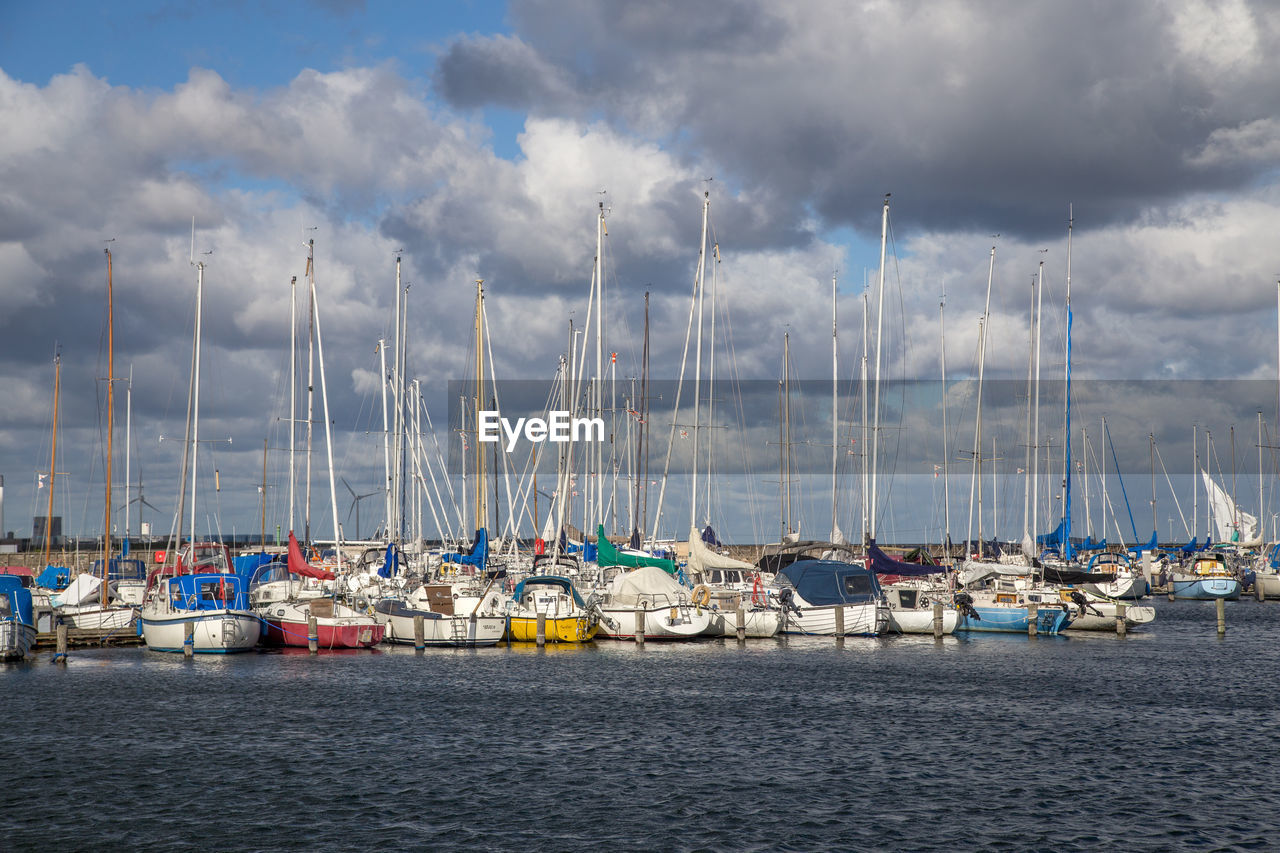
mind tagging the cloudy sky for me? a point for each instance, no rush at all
(477, 139)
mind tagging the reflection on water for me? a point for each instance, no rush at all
(1157, 740)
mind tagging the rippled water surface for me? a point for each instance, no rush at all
(1167, 739)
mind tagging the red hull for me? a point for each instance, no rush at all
(281, 632)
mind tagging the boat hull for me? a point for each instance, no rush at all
(337, 633)
(16, 639)
(682, 622)
(1269, 583)
(860, 620)
(921, 621)
(448, 630)
(214, 631)
(1128, 588)
(559, 629)
(94, 618)
(1013, 620)
(758, 623)
(1205, 589)
(1101, 616)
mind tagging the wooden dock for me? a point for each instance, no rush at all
(90, 637)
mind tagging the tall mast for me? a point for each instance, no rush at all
(111, 412)
(293, 392)
(975, 481)
(311, 384)
(1035, 425)
(596, 450)
(482, 514)
(644, 421)
(866, 469)
(697, 360)
(875, 428)
(1066, 405)
(1195, 485)
(328, 424)
(195, 406)
(946, 483)
(128, 448)
(387, 486)
(397, 422)
(835, 414)
(53, 453)
(262, 541)
(1155, 524)
(786, 419)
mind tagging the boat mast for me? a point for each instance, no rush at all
(53, 454)
(866, 469)
(835, 414)
(397, 421)
(311, 384)
(482, 511)
(697, 361)
(328, 428)
(387, 486)
(111, 411)
(975, 481)
(786, 419)
(875, 429)
(1155, 524)
(1035, 427)
(1195, 486)
(946, 482)
(595, 482)
(195, 406)
(128, 448)
(293, 392)
(1066, 416)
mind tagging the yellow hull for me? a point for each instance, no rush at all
(571, 629)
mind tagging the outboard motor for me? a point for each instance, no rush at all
(964, 603)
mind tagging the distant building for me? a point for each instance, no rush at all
(41, 523)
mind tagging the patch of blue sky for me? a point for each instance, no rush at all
(256, 45)
(862, 255)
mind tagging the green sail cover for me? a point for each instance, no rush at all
(607, 555)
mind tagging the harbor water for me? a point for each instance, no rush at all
(1166, 739)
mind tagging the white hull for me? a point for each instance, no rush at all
(93, 618)
(1269, 583)
(920, 621)
(215, 632)
(1133, 587)
(859, 619)
(1105, 617)
(447, 630)
(682, 622)
(16, 640)
(758, 623)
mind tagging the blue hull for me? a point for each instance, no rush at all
(1207, 589)
(1013, 620)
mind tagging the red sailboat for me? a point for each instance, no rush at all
(338, 625)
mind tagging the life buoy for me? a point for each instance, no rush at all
(701, 595)
(757, 593)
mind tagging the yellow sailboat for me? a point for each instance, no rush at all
(567, 617)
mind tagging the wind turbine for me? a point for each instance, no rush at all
(355, 503)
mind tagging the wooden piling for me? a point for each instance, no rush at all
(1033, 616)
(639, 625)
(189, 638)
(1121, 627)
(60, 655)
(542, 629)
(419, 631)
(313, 634)
(1257, 589)
(937, 620)
(741, 623)
(1222, 616)
(839, 622)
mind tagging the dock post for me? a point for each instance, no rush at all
(542, 629)
(1222, 616)
(60, 656)
(1121, 627)
(839, 622)
(313, 635)
(741, 623)
(1257, 589)
(1033, 616)
(937, 620)
(639, 625)
(419, 631)
(188, 638)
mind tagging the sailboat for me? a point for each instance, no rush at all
(17, 619)
(86, 603)
(199, 599)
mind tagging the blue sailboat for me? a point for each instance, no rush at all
(17, 619)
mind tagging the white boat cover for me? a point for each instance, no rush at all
(701, 557)
(85, 589)
(649, 584)
(973, 571)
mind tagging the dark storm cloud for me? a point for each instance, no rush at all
(978, 114)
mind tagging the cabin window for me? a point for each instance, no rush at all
(716, 577)
(857, 584)
(732, 577)
(907, 598)
(5, 608)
